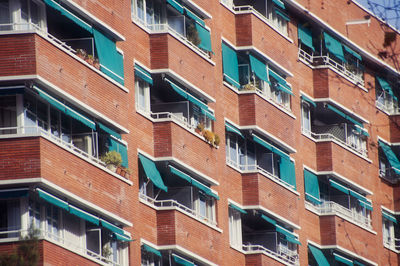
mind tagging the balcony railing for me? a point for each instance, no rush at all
(330, 207)
(390, 175)
(68, 145)
(166, 28)
(174, 204)
(387, 107)
(325, 60)
(392, 243)
(7, 235)
(331, 137)
(282, 254)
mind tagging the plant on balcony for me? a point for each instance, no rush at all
(106, 253)
(96, 63)
(112, 159)
(249, 87)
(192, 35)
(90, 59)
(124, 171)
(209, 136)
(217, 140)
(200, 128)
(81, 53)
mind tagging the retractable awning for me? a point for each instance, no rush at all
(231, 128)
(230, 65)
(334, 46)
(152, 172)
(151, 250)
(235, 207)
(259, 68)
(390, 156)
(305, 36)
(143, 74)
(318, 256)
(312, 187)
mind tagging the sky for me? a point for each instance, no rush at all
(388, 10)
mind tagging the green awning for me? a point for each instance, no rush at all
(151, 250)
(233, 206)
(268, 219)
(305, 36)
(230, 65)
(282, 14)
(180, 174)
(287, 171)
(143, 74)
(231, 128)
(111, 227)
(56, 6)
(115, 145)
(13, 193)
(353, 53)
(111, 61)
(152, 172)
(366, 204)
(270, 147)
(343, 259)
(181, 261)
(389, 216)
(122, 237)
(311, 185)
(108, 130)
(339, 187)
(65, 109)
(318, 256)
(53, 200)
(205, 37)
(187, 96)
(306, 99)
(84, 215)
(176, 5)
(282, 84)
(193, 16)
(259, 68)
(345, 116)
(334, 46)
(390, 156)
(288, 235)
(386, 87)
(358, 263)
(279, 3)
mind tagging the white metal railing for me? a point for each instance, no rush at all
(330, 207)
(325, 60)
(165, 27)
(389, 174)
(331, 137)
(173, 203)
(256, 168)
(38, 130)
(46, 235)
(283, 254)
(388, 107)
(393, 243)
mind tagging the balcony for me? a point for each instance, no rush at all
(282, 255)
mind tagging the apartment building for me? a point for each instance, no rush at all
(197, 132)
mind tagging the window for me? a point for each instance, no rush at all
(142, 95)
(305, 117)
(205, 205)
(8, 115)
(277, 17)
(388, 233)
(235, 228)
(149, 259)
(148, 12)
(22, 14)
(53, 222)
(10, 218)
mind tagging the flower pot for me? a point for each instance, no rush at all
(111, 167)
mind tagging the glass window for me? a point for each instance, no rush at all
(93, 239)
(176, 21)
(10, 218)
(5, 17)
(235, 228)
(8, 115)
(34, 215)
(52, 222)
(388, 232)
(305, 117)
(142, 95)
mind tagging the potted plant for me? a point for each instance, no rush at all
(90, 59)
(209, 136)
(249, 87)
(112, 159)
(200, 128)
(96, 63)
(217, 140)
(192, 34)
(81, 53)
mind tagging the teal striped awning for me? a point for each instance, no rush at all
(108, 130)
(230, 65)
(193, 16)
(188, 96)
(389, 216)
(311, 185)
(390, 156)
(143, 74)
(231, 128)
(306, 99)
(84, 215)
(152, 172)
(305, 36)
(270, 147)
(279, 4)
(181, 261)
(205, 37)
(53, 200)
(386, 87)
(65, 109)
(268, 219)
(352, 52)
(288, 234)
(343, 260)
(122, 237)
(193, 182)
(334, 47)
(237, 208)
(318, 256)
(282, 14)
(259, 68)
(176, 5)
(282, 84)
(151, 250)
(111, 227)
(345, 116)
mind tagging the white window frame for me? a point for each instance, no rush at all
(142, 86)
(235, 229)
(305, 117)
(277, 21)
(388, 233)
